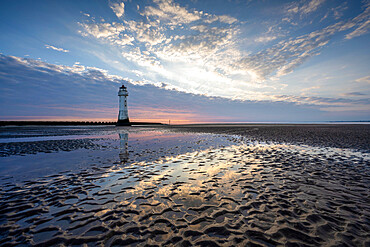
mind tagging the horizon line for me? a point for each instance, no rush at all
(174, 122)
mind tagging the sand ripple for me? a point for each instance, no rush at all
(235, 196)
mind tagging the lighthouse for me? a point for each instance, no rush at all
(123, 113)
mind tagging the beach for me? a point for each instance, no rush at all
(193, 185)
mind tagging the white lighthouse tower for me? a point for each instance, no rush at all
(123, 113)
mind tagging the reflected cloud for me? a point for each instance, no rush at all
(211, 194)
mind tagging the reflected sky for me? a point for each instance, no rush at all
(213, 176)
(155, 186)
(33, 152)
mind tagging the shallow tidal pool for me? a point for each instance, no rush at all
(143, 187)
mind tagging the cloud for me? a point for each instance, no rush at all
(169, 11)
(283, 57)
(70, 92)
(361, 22)
(102, 30)
(304, 91)
(118, 8)
(155, 43)
(227, 19)
(202, 53)
(365, 79)
(264, 39)
(331, 104)
(221, 18)
(147, 33)
(338, 11)
(91, 74)
(311, 6)
(363, 28)
(55, 48)
(304, 7)
(354, 94)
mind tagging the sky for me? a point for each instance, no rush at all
(185, 61)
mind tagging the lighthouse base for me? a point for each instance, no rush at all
(123, 122)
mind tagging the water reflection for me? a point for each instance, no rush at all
(123, 147)
(226, 196)
(97, 146)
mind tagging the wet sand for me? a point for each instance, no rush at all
(29, 153)
(244, 193)
(353, 136)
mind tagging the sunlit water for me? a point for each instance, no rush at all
(33, 152)
(153, 187)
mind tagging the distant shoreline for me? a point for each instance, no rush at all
(63, 123)
(85, 123)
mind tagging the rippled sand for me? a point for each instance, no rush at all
(240, 195)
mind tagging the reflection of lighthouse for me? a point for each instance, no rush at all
(123, 113)
(123, 147)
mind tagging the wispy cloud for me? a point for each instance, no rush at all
(226, 52)
(304, 7)
(354, 94)
(361, 23)
(171, 41)
(56, 48)
(363, 28)
(71, 91)
(365, 79)
(285, 56)
(203, 53)
(97, 76)
(264, 39)
(102, 30)
(171, 12)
